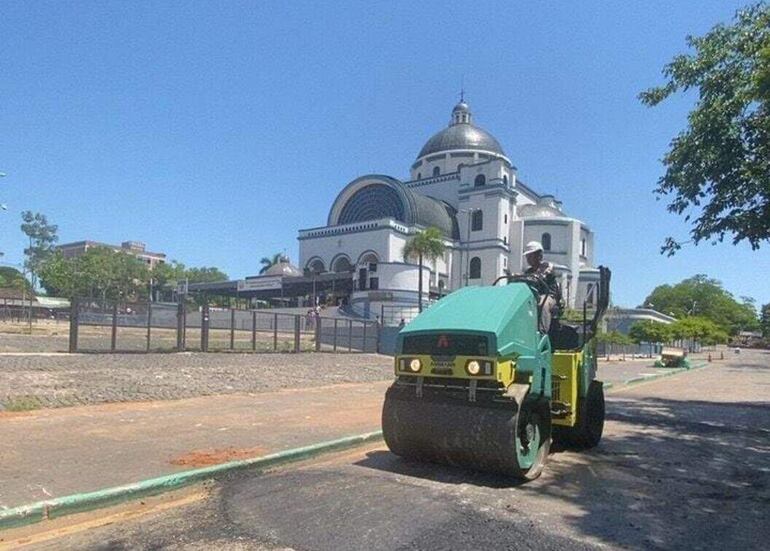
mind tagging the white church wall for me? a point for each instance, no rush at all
(350, 244)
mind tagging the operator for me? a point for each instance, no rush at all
(550, 303)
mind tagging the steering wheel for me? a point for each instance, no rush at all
(535, 282)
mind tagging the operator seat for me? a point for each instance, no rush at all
(564, 336)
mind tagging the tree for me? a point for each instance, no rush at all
(718, 169)
(205, 275)
(649, 331)
(426, 244)
(42, 237)
(11, 278)
(100, 273)
(268, 262)
(701, 296)
(765, 320)
(699, 329)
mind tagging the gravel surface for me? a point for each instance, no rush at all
(30, 382)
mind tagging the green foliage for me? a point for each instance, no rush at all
(705, 297)
(205, 275)
(614, 337)
(428, 243)
(268, 262)
(42, 237)
(649, 331)
(12, 278)
(698, 328)
(765, 320)
(100, 273)
(718, 169)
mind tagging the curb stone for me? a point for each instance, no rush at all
(77, 503)
(669, 373)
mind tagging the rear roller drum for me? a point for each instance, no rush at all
(587, 432)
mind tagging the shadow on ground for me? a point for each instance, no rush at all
(670, 474)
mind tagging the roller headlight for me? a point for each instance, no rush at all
(415, 365)
(473, 367)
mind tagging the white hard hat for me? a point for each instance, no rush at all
(532, 247)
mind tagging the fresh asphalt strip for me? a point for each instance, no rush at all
(77, 503)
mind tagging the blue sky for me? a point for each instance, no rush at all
(213, 131)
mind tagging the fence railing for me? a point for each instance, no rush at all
(147, 327)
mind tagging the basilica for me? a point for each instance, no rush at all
(464, 184)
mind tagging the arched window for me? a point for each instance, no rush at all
(546, 241)
(480, 180)
(316, 266)
(436, 171)
(505, 180)
(475, 269)
(342, 264)
(477, 220)
(419, 175)
(460, 166)
(583, 247)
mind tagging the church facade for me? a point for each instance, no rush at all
(463, 183)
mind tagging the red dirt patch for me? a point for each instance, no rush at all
(204, 458)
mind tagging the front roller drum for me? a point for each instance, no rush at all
(500, 438)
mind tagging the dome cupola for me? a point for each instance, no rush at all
(462, 134)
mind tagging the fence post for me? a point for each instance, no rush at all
(205, 328)
(180, 326)
(254, 330)
(275, 332)
(296, 332)
(334, 346)
(232, 328)
(318, 334)
(114, 340)
(350, 335)
(149, 324)
(363, 339)
(74, 321)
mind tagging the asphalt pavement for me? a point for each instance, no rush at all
(684, 464)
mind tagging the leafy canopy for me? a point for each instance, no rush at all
(765, 320)
(12, 278)
(42, 237)
(718, 168)
(705, 297)
(268, 262)
(428, 243)
(102, 273)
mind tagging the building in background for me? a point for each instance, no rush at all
(134, 248)
(463, 183)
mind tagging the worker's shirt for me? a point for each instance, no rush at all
(545, 270)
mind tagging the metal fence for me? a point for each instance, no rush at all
(157, 327)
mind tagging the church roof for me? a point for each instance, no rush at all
(375, 197)
(461, 134)
(283, 268)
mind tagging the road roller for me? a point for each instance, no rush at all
(479, 386)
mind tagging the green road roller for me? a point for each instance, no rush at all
(479, 386)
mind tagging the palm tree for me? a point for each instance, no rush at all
(268, 262)
(426, 244)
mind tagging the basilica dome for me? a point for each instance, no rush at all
(461, 134)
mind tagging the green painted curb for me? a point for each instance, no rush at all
(77, 503)
(669, 373)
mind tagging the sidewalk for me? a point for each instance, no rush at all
(56, 452)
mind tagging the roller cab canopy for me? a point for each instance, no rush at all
(506, 315)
